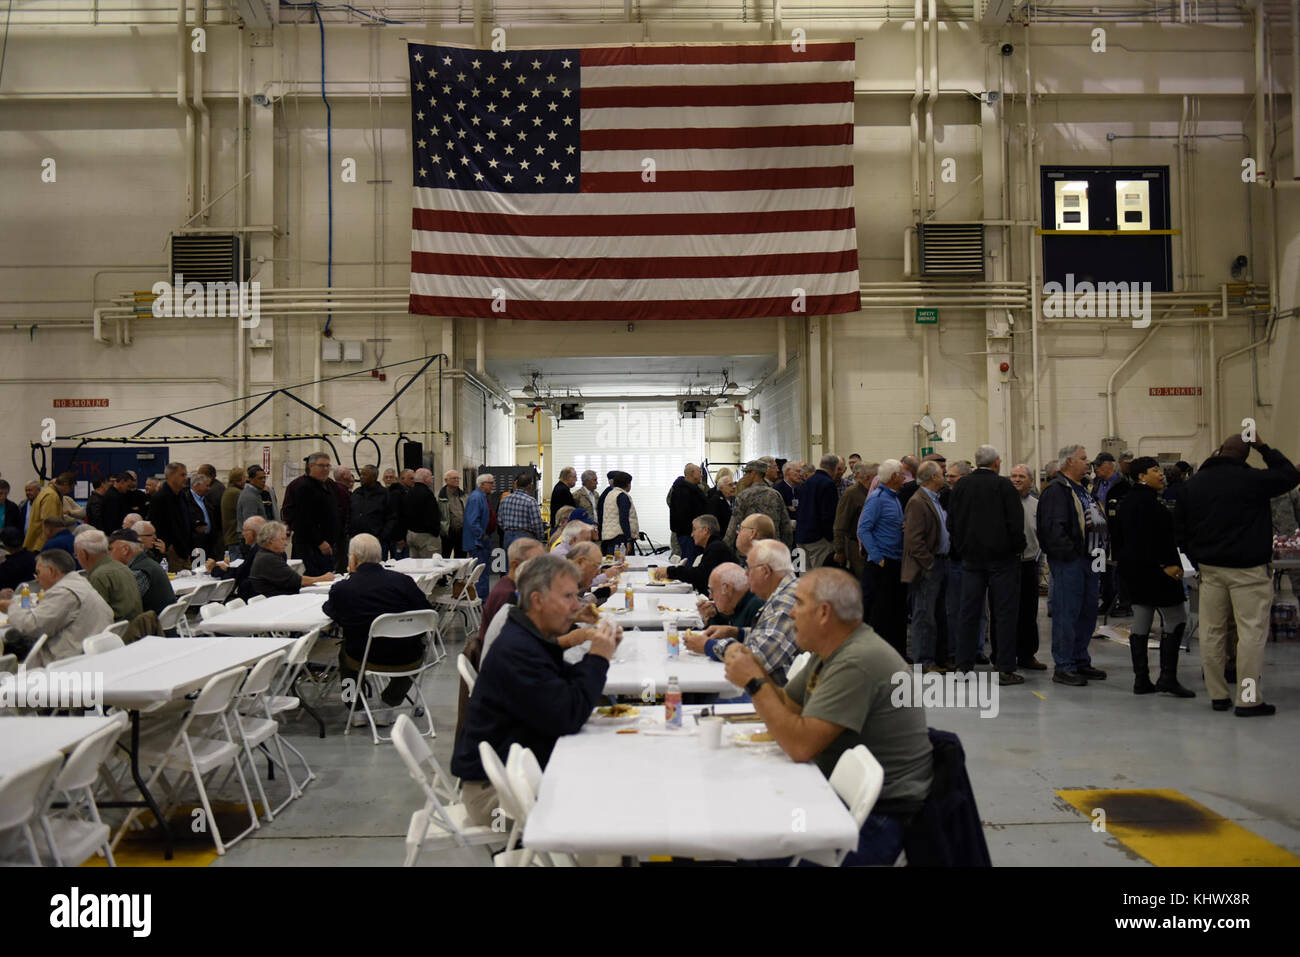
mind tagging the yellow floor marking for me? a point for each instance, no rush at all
(191, 849)
(1169, 829)
(1043, 696)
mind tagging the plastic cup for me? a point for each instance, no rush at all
(711, 733)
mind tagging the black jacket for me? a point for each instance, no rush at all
(986, 519)
(526, 692)
(372, 512)
(1222, 514)
(269, 574)
(95, 512)
(396, 496)
(212, 541)
(560, 497)
(239, 574)
(171, 519)
(18, 568)
(420, 510)
(1142, 541)
(312, 511)
(686, 503)
(715, 553)
(719, 507)
(1059, 532)
(371, 591)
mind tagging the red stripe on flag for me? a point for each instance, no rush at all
(708, 53)
(718, 138)
(640, 267)
(642, 224)
(758, 94)
(687, 181)
(628, 311)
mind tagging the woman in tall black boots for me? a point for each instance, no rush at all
(1145, 549)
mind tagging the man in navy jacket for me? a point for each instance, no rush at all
(814, 522)
(526, 692)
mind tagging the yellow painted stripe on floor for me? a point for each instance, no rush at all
(1169, 829)
(144, 848)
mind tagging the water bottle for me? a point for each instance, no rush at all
(629, 599)
(25, 598)
(163, 563)
(673, 704)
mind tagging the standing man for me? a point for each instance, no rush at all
(987, 522)
(848, 553)
(1027, 612)
(880, 530)
(205, 517)
(814, 527)
(562, 494)
(170, 517)
(1065, 518)
(312, 512)
(256, 499)
(370, 512)
(480, 524)
(585, 497)
(686, 503)
(30, 491)
(791, 477)
(1224, 524)
(422, 517)
(341, 486)
(397, 493)
(616, 520)
(850, 476)
(925, 561)
(48, 503)
(94, 504)
(519, 513)
(215, 484)
(756, 496)
(451, 499)
(230, 536)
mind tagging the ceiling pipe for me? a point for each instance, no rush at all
(932, 27)
(183, 101)
(205, 119)
(915, 117)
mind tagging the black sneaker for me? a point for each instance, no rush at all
(1221, 704)
(1255, 711)
(1094, 674)
(1069, 678)
(1010, 678)
(1033, 664)
(981, 659)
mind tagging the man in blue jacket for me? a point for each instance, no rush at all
(476, 536)
(526, 692)
(814, 521)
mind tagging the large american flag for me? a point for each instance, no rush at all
(535, 197)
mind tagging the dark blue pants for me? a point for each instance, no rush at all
(1001, 581)
(686, 545)
(1074, 612)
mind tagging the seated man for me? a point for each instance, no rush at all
(371, 590)
(155, 549)
(19, 564)
(593, 584)
(58, 534)
(572, 533)
(113, 580)
(239, 572)
(526, 692)
(771, 637)
(270, 573)
(841, 699)
(710, 552)
(753, 528)
(730, 602)
(70, 612)
(155, 589)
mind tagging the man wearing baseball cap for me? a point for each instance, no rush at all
(155, 588)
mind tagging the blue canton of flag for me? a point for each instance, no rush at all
(507, 122)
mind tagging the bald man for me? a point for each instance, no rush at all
(422, 517)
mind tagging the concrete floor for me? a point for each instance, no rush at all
(1098, 737)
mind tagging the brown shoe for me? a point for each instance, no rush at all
(1033, 664)
(1010, 678)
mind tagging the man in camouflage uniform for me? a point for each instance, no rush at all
(762, 498)
(1286, 521)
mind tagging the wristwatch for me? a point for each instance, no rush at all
(753, 684)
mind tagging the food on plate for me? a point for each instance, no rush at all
(759, 737)
(617, 711)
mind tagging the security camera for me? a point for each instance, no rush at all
(1008, 49)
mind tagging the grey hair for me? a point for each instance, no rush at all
(316, 457)
(270, 531)
(568, 471)
(731, 575)
(133, 548)
(985, 456)
(590, 549)
(255, 522)
(709, 522)
(484, 479)
(1025, 466)
(865, 468)
(773, 553)
(520, 547)
(173, 467)
(57, 559)
(590, 473)
(830, 462)
(126, 520)
(888, 469)
(838, 589)
(92, 541)
(1069, 452)
(572, 531)
(927, 471)
(1052, 467)
(538, 575)
(963, 467)
(365, 548)
(200, 478)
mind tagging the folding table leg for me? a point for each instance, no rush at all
(144, 789)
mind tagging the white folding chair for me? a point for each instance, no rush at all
(257, 726)
(525, 776)
(210, 609)
(222, 590)
(104, 641)
(857, 778)
(172, 618)
(467, 672)
(443, 821)
(514, 855)
(203, 594)
(119, 628)
(33, 659)
(280, 698)
(70, 837)
(256, 598)
(406, 624)
(186, 748)
(235, 603)
(458, 601)
(24, 796)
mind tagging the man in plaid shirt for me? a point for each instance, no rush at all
(519, 513)
(771, 638)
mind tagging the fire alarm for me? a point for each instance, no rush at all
(1005, 367)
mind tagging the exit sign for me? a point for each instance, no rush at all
(927, 317)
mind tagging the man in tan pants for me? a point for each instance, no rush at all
(1224, 525)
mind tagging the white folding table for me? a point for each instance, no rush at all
(25, 740)
(289, 614)
(189, 584)
(645, 793)
(653, 609)
(640, 581)
(427, 566)
(641, 664)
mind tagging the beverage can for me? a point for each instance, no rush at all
(673, 704)
(674, 641)
(629, 599)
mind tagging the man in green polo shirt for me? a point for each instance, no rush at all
(842, 698)
(113, 580)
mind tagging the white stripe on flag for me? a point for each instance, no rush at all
(716, 74)
(629, 204)
(570, 290)
(712, 117)
(620, 247)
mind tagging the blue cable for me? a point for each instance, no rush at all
(329, 163)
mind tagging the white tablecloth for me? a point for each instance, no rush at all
(25, 740)
(295, 563)
(641, 794)
(653, 609)
(191, 583)
(279, 613)
(640, 581)
(427, 566)
(151, 670)
(641, 663)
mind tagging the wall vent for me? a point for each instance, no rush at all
(206, 257)
(951, 249)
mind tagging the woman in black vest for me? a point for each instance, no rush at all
(1149, 566)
